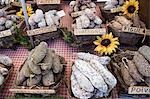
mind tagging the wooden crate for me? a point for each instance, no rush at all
(84, 39)
(112, 95)
(43, 34)
(126, 37)
(10, 70)
(50, 90)
(46, 33)
(123, 89)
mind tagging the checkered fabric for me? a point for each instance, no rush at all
(21, 54)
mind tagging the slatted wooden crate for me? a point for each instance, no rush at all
(50, 90)
(81, 36)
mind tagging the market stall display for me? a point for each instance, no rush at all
(90, 76)
(128, 26)
(44, 71)
(132, 68)
(10, 27)
(44, 25)
(78, 49)
(86, 22)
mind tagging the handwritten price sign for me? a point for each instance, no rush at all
(48, 1)
(5, 33)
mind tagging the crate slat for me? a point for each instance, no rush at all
(33, 91)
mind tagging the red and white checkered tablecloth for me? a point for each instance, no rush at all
(21, 54)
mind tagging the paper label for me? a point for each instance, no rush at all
(114, 10)
(41, 30)
(61, 13)
(133, 30)
(5, 33)
(90, 31)
(138, 90)
(76, 14)
(102, 0)
(48, 1)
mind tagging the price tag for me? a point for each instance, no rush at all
(61, 13)
(5, 33)
(138, 90)
(76, 14)
(48, 1)
(90, 31)
(102, 0)
(133, 30)
(79, 13)
(114, 10)
(41, 30)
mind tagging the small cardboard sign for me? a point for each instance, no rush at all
(133, 30)
(139, 90)
(41, 30)
(100, 31)
(61, 13)
(5, 33)
(48, 2)
(76, 14)
(102, 0)
(114, 10)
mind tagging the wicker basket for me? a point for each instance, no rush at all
(39, 90)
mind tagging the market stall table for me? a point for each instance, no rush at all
(20, 55)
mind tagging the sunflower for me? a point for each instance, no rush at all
(29, 12)
(130, 7)
(106, 44)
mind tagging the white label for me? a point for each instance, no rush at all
(41, 30)
(114, 10)
(138, 90)
(61, 13)
(133, 30)
(76, 14)
(5, 33)
(48, 1)
(102, 0)
(90, 31)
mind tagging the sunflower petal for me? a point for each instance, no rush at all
(99, 38)
(115, 39)
(97, 42)
(98, 48)
(116, 43)
(110, 35)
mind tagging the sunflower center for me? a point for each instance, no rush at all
(131, 9)
(105, 42)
